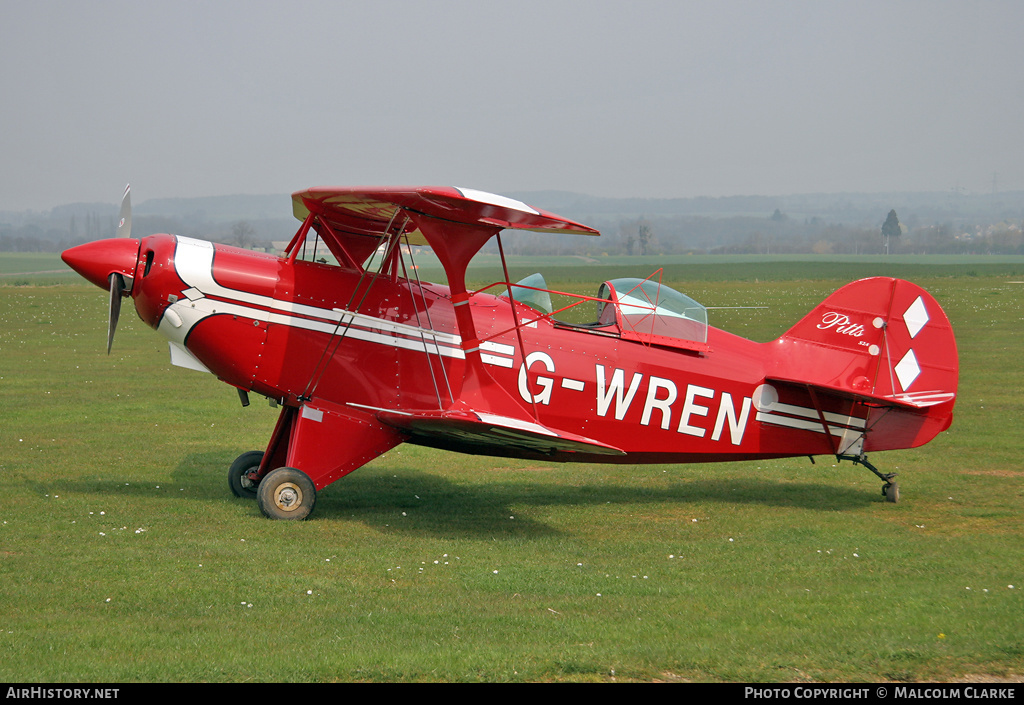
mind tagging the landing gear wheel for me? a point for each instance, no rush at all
(891, 491)
(238, 474)
(286, 493)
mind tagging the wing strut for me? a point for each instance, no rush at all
(455, 244)
(515, 317)
(343, 326)
(299, 238)
(341, 253)
(430, 326)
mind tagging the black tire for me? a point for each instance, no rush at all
(892, 492)
(238, 479)
(286, 493)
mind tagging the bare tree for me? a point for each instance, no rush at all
(242, 233)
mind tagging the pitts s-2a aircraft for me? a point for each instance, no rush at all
(362, 356)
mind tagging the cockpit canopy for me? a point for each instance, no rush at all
(644, 310)
(532, 291)
(645, 307)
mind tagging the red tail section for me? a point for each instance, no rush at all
(887, 345)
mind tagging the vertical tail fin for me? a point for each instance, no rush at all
(885, 343)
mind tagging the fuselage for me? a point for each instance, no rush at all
(295, 331)
(301, 332)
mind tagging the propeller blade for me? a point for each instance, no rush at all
(124, 225)
(116, 289)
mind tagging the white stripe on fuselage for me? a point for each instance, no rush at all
(193, 260)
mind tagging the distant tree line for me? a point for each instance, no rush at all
(774, 233)
(42, 235)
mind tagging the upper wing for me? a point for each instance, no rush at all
(369, 211)
(455, 223)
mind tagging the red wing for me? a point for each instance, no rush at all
(369, 211)
(478, 429)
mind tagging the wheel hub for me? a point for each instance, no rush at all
(288, 497)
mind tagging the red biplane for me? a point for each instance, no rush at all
(362, 356)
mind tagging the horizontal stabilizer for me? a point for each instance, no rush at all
(908, 400)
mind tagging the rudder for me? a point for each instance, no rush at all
(886, 343)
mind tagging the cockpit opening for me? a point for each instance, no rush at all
(644, 310)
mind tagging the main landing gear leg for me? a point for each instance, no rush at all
(890, 490)
(312, 446)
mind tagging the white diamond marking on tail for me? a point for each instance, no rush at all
(907, 370)
(916, 317)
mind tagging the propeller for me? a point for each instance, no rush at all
(124, 225)
(110, 264)
(117, 286)
(116, 290)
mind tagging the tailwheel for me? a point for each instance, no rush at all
(891, 491)
(240, 474)
(286, 493)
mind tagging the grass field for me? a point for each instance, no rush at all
(124, 556)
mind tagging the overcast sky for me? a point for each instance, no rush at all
(637, 98)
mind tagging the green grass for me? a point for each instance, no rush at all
(25, 268)
(15, 262)
(124, 557)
